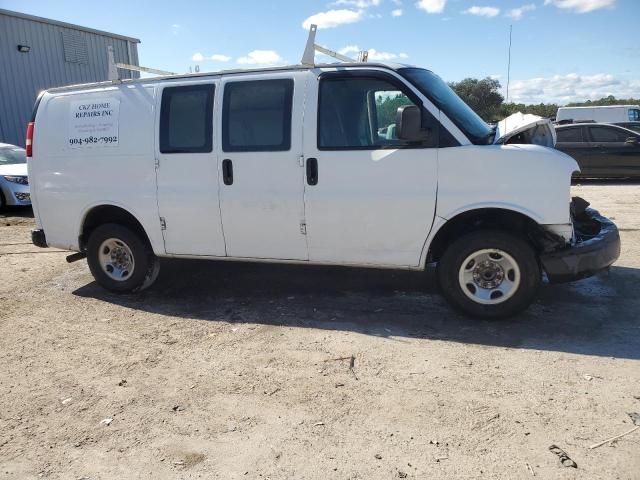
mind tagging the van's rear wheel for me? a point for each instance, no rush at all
(489, 274)
(120, 260)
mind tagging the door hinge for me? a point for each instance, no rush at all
(157, 162)
(303, 228)
(163, 223)
(301, 160)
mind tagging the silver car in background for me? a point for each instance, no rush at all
(14, 181)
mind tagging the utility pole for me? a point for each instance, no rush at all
(509, 62)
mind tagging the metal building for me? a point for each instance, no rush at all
(38, 53)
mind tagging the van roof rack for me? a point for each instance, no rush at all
(113, 67)
(308, 57)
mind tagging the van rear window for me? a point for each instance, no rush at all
(186, 119)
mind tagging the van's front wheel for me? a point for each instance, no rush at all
(120, 260)
(489, 274)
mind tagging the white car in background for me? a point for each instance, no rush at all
(14, 181)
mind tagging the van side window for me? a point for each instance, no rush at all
(186, 119)
(256, 116)
(360, 113)
(570, 134)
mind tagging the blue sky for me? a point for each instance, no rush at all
(563, 50)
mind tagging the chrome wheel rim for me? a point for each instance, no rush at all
(116, 259)
(489, 276)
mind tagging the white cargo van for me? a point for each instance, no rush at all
(604, 114)
(360, 164)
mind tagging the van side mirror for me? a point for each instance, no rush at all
(409, 124)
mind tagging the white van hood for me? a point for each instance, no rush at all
(536, 130)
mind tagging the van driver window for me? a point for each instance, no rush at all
(359, 112)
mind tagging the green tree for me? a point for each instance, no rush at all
(605, 101)
(547, 110)
(387, 108)
(483, 96)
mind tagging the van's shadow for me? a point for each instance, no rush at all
(597, 316)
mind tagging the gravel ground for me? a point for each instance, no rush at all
(257, 371)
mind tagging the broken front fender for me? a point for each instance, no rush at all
(596, 248)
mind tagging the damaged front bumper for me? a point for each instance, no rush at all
(596, 247)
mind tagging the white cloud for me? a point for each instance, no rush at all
(358, 3)
(333, 18)
(197, 57)
(518, 13)
(175, 28)
(260, 57)
(218, 57)
(482, 11)
(374, 55)
(349, 49)
(396, 13)
(385, 56)
(431, 6)
(581, 6)
(562, 89)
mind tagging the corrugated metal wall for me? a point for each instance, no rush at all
(23, 75)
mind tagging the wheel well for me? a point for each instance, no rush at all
(466, 222)
(109, 214)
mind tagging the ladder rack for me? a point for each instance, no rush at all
(308, 57)
(113, 67)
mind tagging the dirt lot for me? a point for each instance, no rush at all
(233, 371)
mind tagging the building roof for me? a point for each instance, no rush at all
(49, 21)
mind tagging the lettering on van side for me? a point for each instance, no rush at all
(93, 123)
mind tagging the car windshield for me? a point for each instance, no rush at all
(12, 155)
(443, 97)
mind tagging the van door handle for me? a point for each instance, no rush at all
(312, 171)
(227, 172)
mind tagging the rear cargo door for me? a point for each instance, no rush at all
(187, 170)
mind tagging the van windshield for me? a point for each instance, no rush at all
(443, 97)
(12, 155)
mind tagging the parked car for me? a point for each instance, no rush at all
(299, 164)
(601, 114)
(14, 181)
(601, 150)
(635, 126)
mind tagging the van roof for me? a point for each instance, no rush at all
(599, 106)
(299, 67)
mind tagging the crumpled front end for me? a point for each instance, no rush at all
(595, 246)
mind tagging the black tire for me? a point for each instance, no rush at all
(524, 256)
(146, 264)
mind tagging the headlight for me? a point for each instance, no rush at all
(15, 179)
